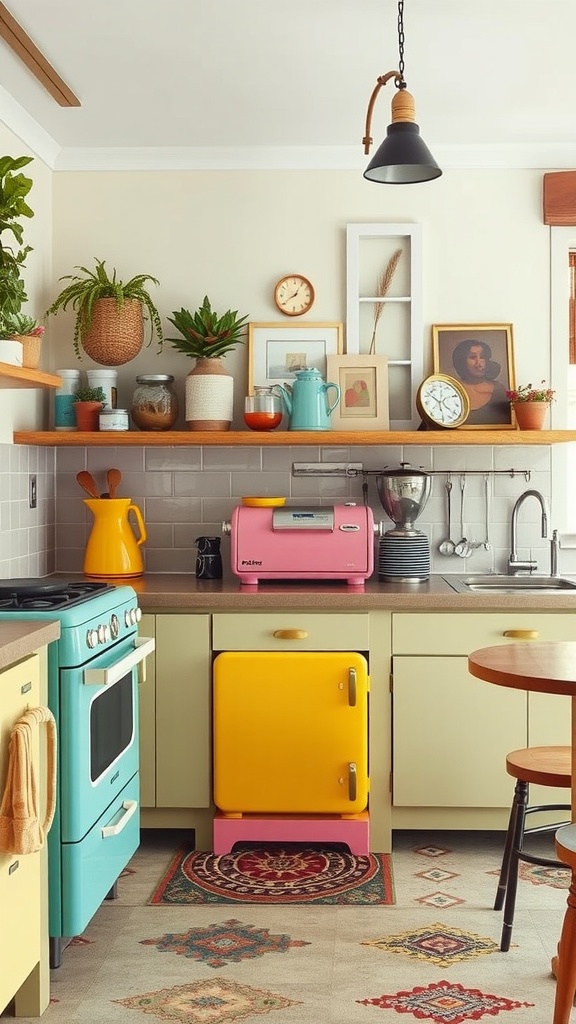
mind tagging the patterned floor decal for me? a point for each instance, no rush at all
(207, 1002)
(431, 851)
(221, 944)
(436, 875)
(445, 1003)
(437, 943)
(440, 900)
(556, 878)
(277, 873)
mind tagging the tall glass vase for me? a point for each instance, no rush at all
(209, 396)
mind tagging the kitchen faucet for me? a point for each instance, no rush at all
(514, 564)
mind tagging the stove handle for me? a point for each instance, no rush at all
(144, 645)
(129, 808)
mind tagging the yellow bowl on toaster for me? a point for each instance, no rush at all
(263, 502)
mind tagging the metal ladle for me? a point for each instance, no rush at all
(447, 546)
(463, 547)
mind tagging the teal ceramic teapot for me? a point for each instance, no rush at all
(307, 401)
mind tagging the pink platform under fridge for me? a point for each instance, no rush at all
(352, 831)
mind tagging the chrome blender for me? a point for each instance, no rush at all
(404, 552)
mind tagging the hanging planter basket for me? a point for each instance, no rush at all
(116, 333)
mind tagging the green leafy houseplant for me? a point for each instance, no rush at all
(87, 394)
(14, 188)
(85, 291)
(528, 393)
(205, 334)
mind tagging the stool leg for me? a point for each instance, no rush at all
(566, 962)
(521, 802)
(501, 890)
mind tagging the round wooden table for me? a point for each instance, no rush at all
(545, 667)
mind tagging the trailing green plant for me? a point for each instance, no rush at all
(87, 394)
(14, 188)
(86, 288)
(206, 334)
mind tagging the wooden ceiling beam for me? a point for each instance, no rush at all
(35, 61)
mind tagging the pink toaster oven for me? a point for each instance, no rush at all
(302, 543)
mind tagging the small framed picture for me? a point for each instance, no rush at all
(277, 351)
(481, 357)
(363, 383)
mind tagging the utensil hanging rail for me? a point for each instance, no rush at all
(526, 473)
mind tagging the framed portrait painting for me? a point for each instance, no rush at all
(276, 351)
(363, 383)
(481, 357)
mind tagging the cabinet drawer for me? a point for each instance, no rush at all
(463, 632)
(324, 632)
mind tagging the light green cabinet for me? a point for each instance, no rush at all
(450, 731)
(175, 725)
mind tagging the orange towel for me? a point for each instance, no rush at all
(20, 828)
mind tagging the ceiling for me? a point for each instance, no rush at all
(254, 82)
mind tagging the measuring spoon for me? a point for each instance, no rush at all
(446, 546)
(463, 547)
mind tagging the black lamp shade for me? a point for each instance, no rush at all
(403, 158)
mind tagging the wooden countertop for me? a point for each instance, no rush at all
(161, 592)
(19, 638)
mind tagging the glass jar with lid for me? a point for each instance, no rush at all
(155, 402)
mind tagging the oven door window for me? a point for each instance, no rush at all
(111, 725)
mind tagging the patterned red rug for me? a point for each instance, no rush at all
(277, 873)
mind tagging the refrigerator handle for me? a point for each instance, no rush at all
(352, 687)
(352, 777)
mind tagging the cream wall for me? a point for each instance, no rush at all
(232, 234)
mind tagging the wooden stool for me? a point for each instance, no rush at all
(544, 766)
(564, 965)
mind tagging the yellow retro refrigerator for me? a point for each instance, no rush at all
(290, 732)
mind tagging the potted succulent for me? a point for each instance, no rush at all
(531, 405)
(87, 405)
(109, 324)
(206, 336)
(14, 187)
(28, 332)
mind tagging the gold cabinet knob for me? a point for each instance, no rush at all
(290, 634)
(522, 634)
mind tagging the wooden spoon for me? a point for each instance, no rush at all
(87, 483)
(113, 478)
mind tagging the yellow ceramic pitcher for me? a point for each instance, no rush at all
(113, 548)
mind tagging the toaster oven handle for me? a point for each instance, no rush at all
(352, 687)
(144, 645)
(352, 777)
(290, 634)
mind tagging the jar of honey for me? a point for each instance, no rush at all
(263, 409)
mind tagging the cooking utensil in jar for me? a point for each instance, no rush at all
(447, 546)
(462, 547)
(87, 483)
(113, 478)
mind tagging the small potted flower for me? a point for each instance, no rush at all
(87, 405)
(530, 405)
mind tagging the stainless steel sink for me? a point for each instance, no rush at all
(511, 584)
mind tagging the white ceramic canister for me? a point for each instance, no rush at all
(107, 380)
(113, 419)
(64, 398)
(11, 352)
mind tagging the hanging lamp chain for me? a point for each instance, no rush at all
(400, 83)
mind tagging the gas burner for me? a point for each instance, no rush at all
(46, 595)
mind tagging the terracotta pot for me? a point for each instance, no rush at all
(209, 396)
(87, 414)
(530, 415)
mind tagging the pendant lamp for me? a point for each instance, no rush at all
(403, 158)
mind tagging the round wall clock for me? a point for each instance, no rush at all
(294, 295)
(442, 401)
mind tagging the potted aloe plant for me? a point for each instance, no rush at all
(206, 336)
(25, 329)
(110, 313)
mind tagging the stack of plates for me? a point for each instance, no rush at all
(406, 559)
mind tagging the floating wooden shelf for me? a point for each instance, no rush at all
(290, 438)
(22, 377)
